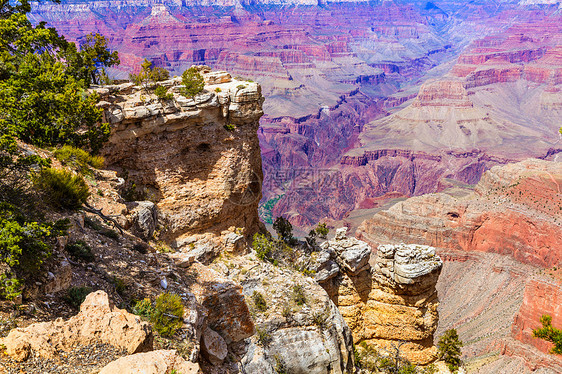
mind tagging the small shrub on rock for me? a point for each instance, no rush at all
(550, 334)
(62, 189)
(264, 337)
(193, 82)
(167, 317)
(449, 346)
(78, 159)
(80, 250)
(259, 301)
(75, 296)
(298, 294)
(161, 93)
(143, 308)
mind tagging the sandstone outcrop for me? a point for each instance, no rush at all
(197, 158)
(154, 362)
(386, 296)
(98, 321)
(514, 210)
(304, 335)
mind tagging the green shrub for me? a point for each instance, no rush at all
(80, 250)
(298, 294)
(264, 337)
(263, 246)
(322, 230)
(161, 93)
(62, 189)
(24, 246)
(78, 159)
(449, 346)
(75, 296)
(120, 286)
(193, 82)
(284, 229)
(168, 314)
(229, 127)
(143, 308)
(218, 89)
(550, 334)
(259, 301)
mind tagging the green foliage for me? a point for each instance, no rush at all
(284, 229)
(264, 337)
(78, 159)
(298, 294)
(193, 82)
(168, 314)
(259, 301)
(449, 346)
(161, 93)
(80, 250)
(43, 79)
(263, 246)
(75, 296)
(280, 367)
(550, 334)
(63, 189)
(218, 89)
(24, 246)
(229, 127)
(322, 230)
(240, 87)
(143, 308)
(89, 65)
(120, 286)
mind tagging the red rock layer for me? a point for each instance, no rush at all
(516, 210)
(541, 297)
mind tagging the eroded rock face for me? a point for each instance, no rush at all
(391, 298)
(155, 362)
(98, 321)
(197, 158)
(514, 210)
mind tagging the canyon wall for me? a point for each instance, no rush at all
(197, 158)
(500, 242)
(386, 296)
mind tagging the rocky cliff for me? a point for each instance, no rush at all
(386, 296)
(514, 210)
(494, 239)
(198, 159)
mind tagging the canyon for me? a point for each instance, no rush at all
(341, 79)
(438, 122)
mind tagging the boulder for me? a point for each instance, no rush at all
(213, 347)
(144, 217)
(97, 321)
(155, 362)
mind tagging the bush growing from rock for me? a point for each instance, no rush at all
(298, 294)
(63, 189)
(143, 308)
(449, 346)
(80, 250)
(550, 334)
(193, 82)
(284, 229)
(264, 337)
(78, 159)
(167, 317)
(161, 93)
(259, 301)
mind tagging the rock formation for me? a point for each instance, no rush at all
(155, 362)
(198, 159)
(98, 321)
(385, 296)
(514, 210)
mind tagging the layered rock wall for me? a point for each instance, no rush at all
(385, 296)
(197, 158)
